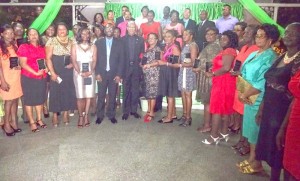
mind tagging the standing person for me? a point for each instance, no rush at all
(150, 27)
(166, 18)
(97, 33)
(122, 18)
(143, 18)
(242, 146)
(133, 49)
(117, 34)
(108, 71)
(227, 21)
(110, 18)
(222, 90)
(187, 78)
(83, 55)
(123, 25)
(201, 29)
(11, 89)
(168, 83)
(50, 32)
(253, 71)
(188, 23)
(33, 78)
(239, 29)
(151, 74)
(62, 96)
(276, 101)
(99, 20)
(204, 83)
(175, 25)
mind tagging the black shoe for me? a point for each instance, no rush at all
(46, 115)
(125, 116)
(162, 121)
(99, 120)
(113, 120)
(18, 130)
(136, 115)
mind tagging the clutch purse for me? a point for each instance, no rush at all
(242, 85)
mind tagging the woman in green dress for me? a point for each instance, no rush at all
(253, 71)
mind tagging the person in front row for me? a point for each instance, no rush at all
(133, 48)
(108, 73)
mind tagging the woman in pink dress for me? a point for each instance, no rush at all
(175, 25)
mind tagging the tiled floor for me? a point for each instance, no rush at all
(129, 150)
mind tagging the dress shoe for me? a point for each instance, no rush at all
(113, 120)
(125, 116)
(99, 120)
(136, 115)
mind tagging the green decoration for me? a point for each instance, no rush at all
(214, 9)
(42, 22)
(260, 14)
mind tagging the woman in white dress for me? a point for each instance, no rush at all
(83, 55)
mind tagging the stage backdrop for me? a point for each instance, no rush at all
(214, 9)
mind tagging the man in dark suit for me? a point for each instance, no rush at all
(201, 29)
(133, 49)
(188, 23)
(108, 73)
(122, 18)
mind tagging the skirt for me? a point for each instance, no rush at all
(34, 91)
(168, 82)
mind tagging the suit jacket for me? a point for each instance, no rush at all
(139, 49)
(190, 26)
(115, 60)
(200, 33)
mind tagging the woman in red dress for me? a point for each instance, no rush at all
(223, 87)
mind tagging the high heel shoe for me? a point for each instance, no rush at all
(215, 140)
(187, 122)
(8, 134)
(41, 124)
(18, 130)
(34, 130)
(224, 137)
(46, 115)
(80, 121)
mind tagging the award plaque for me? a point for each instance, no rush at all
(175, 59)
(67, 60)
(237, 65)
(41, 63)
(208, 65)
(196, 63)
(13, 62)
(85, 67)
(144, 60)
(170, 58)
(87, 81)
(188, 55)
(157, 55)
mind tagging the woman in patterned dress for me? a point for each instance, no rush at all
(151, 74)
(187, 78)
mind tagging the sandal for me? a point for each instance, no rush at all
(182, 119)
(244, 150)
(80, 120)
(86, 120)
(148, 119)
(243, 164)
(186, 122)
(41, 124)
(249, 170)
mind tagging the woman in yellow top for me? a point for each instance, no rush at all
(10, 76)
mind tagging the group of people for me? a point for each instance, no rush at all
(242, 82)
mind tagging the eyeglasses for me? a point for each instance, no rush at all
(260, 36)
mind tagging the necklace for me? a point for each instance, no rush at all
(64, 42)
(84, 47)
(287, 59)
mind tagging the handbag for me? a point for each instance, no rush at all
(242, 85)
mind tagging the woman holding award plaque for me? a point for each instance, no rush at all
(83, 54)
(10, 75)
(62, 96)
(187, 78)
(168, 76)
(151, 73)
(32, 60)
(253, 71)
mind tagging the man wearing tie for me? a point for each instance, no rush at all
(133, 49)
(108, 73)
(188, 23)
(201, 29)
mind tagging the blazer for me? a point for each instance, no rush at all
(115, 60)
(201, 31)
(190, 26)
(139, 49)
